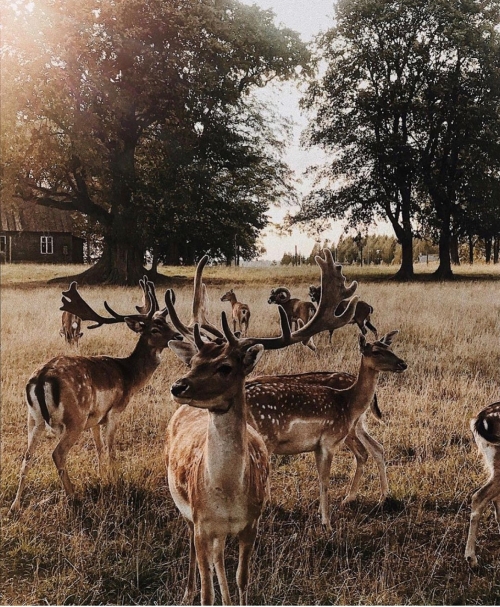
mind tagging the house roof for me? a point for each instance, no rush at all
(21, 216)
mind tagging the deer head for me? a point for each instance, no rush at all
(314, 293)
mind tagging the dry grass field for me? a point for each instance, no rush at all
(125, 542)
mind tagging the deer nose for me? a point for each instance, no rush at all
(270, 300)
(402, 366)
(179, 387)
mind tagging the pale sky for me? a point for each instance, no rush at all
(308, 19)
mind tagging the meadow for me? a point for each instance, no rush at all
(125, 542)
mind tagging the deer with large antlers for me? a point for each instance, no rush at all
(486, 431)
(362, 315)
(74, 393)
(239, 311)
(217, 464)
(297, 417)
(358, 440)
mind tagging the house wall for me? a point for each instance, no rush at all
(26, 247)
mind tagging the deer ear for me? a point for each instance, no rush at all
(135, 324)
(389, 338)
(252, 357)
(183, 350)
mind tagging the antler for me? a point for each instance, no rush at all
(148, 296)
(73, 302)
(334, 290)
(198, 315)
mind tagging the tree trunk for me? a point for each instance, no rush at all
(444, 271)
(496, 248)
(471, 249)
(455, 257)
(488, 242)
(405, 271)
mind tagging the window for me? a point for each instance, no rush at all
(3, 244)
(46, 245)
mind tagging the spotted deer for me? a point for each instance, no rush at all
(362, 315)
(71, 394)
(358, 440)
(486, 431)
(240, 312)
(218, 464)
(298, 312)
(295, 417)
(71, 328)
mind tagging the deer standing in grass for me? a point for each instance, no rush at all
(75, 393)
(295, 417)
(217, 464)
(486, 430)
(240, 312)
(358, 440)
(362, 315)
(71, 328)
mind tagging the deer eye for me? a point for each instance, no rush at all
(224, 369)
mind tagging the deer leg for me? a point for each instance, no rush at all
(376, 450)
(247, 540)
(205, 559)
(35, 430)
(323, 464)
(60, 454)
(480, 500)
(220, 569)
(191, 582)
(99, 445)
(353, 443)
(109, 431)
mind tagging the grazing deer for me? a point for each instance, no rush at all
(217, 464)
(362, 316)
(358, 441)
(295, 417)
(298, 312)
(486, 430)
(240, 312)
(74, 393)
(71, 328)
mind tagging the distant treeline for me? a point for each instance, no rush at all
(374, 249)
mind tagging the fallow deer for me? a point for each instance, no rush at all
(74, 393)
(240, 312)
(486, 431)
(358, 441)
(71, 328)
(295, 417)
(217, 464)
(362, 316)
(298, 312)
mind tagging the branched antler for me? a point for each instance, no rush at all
(73, 302)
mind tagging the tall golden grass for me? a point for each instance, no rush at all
(125, 543)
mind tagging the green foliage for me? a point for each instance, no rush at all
(408, 112)
(138, 115)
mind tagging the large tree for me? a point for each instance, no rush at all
(105, 91)
(408, 90)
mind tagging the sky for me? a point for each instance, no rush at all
(308, 19)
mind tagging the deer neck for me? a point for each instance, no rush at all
(363, 389)
(227, 445)
(141, 364)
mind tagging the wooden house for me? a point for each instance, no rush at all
(30, 232)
